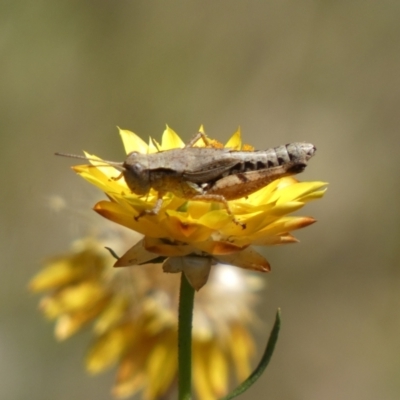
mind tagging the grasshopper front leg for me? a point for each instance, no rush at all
(154, 211)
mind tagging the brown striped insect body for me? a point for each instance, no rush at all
(208, 173)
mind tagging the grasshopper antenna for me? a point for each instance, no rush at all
(118, 165)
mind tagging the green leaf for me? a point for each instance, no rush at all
(273, 338)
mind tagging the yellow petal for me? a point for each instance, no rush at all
(131, 375)
(218, 371)
(81, 296)
(87, 260)
(68, 324)
(200, 375)
(59, 272)
(296, 191)
(129, 386)
(235, 141)
(268, 193)
(125, 217)
(284, 225)
(154, 146)
(313, 195)
(106, 178)
(241, 347)
(157, 320)
(109, 348)
(161, 365)
(112, 314)
(280, 209)
(218, 219)
(251, 222)
(110, 169)
(170, 140)
(183, 228)
(285, 238)
(132, 142)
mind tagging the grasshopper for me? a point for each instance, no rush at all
(208, 173)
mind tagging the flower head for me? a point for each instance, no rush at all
(133, 312)
(178, 203)
(187, 231)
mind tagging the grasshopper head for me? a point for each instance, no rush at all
(136, 173)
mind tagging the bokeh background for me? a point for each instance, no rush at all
(326, 72)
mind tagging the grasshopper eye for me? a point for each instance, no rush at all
(133, 163)
(134, 168)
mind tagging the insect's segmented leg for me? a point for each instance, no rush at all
(117, 178)
(157, 207)
(219, 199)
(154, 211)
(196, 139)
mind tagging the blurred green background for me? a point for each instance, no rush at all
(326, 72)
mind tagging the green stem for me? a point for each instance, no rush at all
(186, 298)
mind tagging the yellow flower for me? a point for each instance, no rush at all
(134, 316)
(190, 232)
